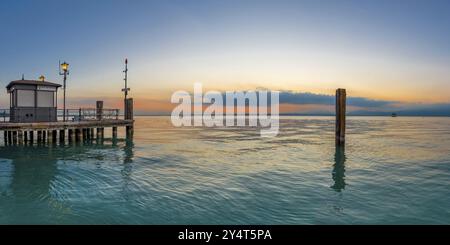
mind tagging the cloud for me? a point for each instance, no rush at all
(287, 97)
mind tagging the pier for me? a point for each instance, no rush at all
(80, 125)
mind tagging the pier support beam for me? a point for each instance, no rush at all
(20, 137)
(341, 98)
(9, 137)
(39, 136)
(100, 133)
(84, 132)
(5, 137)
(14, 135)
(62, 136)
(31, 138)
(114, 132)
(54, 136)
(70, 135)
(78, 134)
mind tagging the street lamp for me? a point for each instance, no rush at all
(65, 71)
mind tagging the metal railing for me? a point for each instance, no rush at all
(88, 114)
(4, 115)
(82, 114)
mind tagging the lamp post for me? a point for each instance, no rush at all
(65, 71)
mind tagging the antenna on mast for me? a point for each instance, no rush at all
(126, 89)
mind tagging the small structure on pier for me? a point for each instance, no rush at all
(33, 112)
(33, 101)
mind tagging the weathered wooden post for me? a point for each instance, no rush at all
(62, 136)
(129, 115)
(99, 133)
(114, 132)
(5, 137)
(54, 136)
(20, 137)
(39, 136)
(50, 136)
(14, 137)
(341, 98)
(70, 135)
(31, 137)
(99, 110)
(9, 137)
(84, 134)
(77, 134)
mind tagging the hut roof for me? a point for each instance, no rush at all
(32, 82)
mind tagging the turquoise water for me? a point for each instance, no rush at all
(392, 171)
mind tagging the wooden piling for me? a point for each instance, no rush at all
(14, 135)
(129, 116)
(5, 137)
(31, 138)
(70, 135)
(84, 134)
(114, 132)
(9, 137)
(78, 134)
(99, 133)
(62, 136)
(341, 98)
(20, 137)
(54, 136)
(39, 136)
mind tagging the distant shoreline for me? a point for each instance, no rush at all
(316, 115)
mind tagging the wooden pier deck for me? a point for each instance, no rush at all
(52, 132)
(82, 127)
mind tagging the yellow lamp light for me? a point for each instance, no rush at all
(65, 67)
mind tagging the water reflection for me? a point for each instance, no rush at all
(33, 170)
(338, 173)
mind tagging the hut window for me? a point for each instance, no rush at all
(25, 98)
(45, 99)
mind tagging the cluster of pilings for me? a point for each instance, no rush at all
(29, 137)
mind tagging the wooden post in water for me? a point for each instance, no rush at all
(114, 132)
(5, 137)
(99, 133)
(31, 137)
(70, 135)
(39, 136)
(9, 137)
(54, 136)
(129, 115)
(25, 137)
(20, 137)
(77, 135)
(14, 137)
(341, 98)
(62, 136)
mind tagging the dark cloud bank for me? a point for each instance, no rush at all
(368, 107)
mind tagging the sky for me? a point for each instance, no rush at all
(393, 55)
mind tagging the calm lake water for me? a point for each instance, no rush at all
(392, 171)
